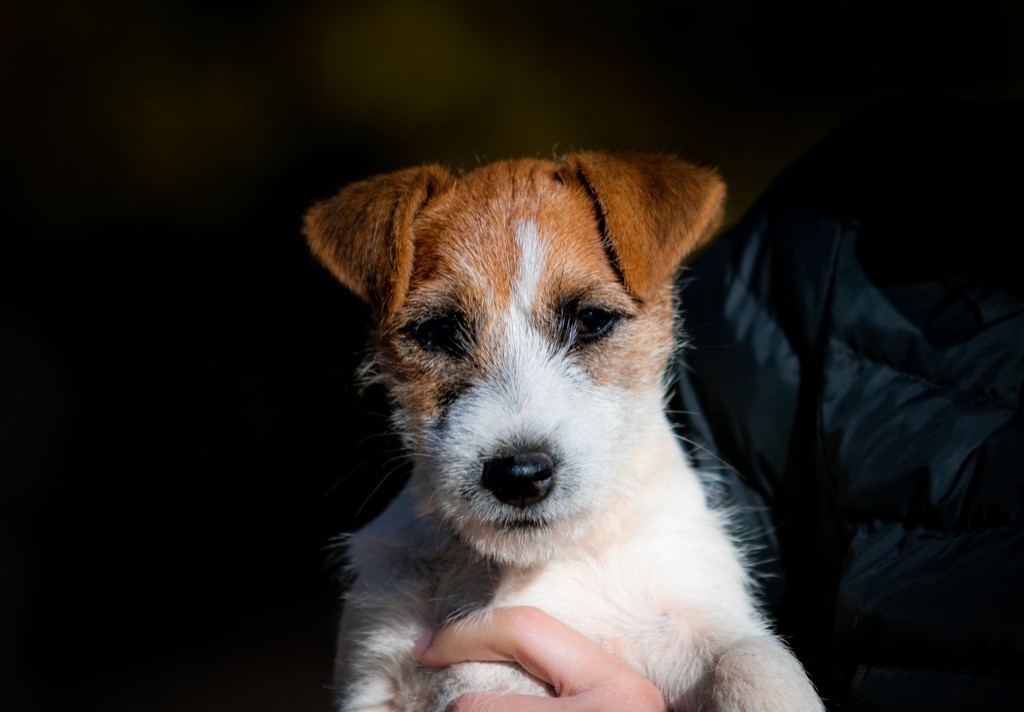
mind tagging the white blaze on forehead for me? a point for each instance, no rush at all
(531, 394)
(530, 378)
(532, 255)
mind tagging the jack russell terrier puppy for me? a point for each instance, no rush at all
(525, 322)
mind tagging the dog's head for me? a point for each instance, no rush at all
(524, 318)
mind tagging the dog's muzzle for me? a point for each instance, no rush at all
(520, 480)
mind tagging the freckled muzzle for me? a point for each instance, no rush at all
(520, 480)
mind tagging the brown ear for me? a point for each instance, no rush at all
(653, 211)
(363, 235)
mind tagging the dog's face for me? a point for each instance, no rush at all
(525, 320)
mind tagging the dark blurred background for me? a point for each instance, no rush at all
(179, 436)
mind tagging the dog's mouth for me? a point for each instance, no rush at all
(517, 500)
(510, 532)
(521, 523)
(510, 514)
(514, 486)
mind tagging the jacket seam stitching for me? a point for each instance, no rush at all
(974, 393)
(936, 668)
(865, 519)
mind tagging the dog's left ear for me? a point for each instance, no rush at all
(653, 211)
(364, 234)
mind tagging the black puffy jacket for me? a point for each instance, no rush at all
(855, 377)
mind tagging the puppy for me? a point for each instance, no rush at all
(524, 320)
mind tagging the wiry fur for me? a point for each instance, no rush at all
(624, 546)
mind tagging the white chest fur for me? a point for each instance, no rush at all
(657, 581)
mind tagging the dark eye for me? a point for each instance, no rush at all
(592, 323)
(441, 334)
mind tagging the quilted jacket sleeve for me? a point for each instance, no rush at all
(853, 387)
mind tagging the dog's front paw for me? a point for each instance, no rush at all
(464, 678)
(761, 675)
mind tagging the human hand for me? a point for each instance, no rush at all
(585, 677)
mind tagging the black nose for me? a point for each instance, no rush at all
(519, 480)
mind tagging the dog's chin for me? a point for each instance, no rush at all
(522, 541)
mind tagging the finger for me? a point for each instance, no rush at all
(545, 647)
(496, 702)
(635, 696)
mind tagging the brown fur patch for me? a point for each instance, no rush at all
(656, 210)
(418, 244)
